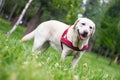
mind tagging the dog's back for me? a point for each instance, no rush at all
(49, 28)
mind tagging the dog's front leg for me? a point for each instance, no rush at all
(63, 55)
(76, 59)
(66, 51)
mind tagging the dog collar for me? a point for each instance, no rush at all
(65, 40)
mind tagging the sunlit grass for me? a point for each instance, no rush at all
(18, 63)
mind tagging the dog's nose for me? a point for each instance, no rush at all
(85, 32)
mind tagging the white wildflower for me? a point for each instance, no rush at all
(39, 64)
(6, 47)
(48, 59)
(57, 65)
(85, 65)
(65, 69)
(25, 63)
(42, 62)
(75, 77)
(35, 55)
(105, 76)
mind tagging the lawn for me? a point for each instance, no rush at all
(18, 63)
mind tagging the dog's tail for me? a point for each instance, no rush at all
(29, 36)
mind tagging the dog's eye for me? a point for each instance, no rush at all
(83, 23)
(90, 27)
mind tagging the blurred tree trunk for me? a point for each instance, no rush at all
(107, 52)
(100, 51)
(2, 2)
(13, 10)
(116, 59)
(113, 56)
(1, 14)
(32, 24)
(20, 18)
(14, 20)
(91, 46)
(110, 61)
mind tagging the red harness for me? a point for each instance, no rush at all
(65, 40)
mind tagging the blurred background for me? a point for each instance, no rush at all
(19, 17)
(105, 14)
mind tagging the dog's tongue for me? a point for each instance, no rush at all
(82, 37)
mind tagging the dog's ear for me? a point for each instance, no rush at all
(75, 23)
(79, 17)
(93, 31)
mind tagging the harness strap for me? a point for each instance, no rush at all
(65, 40)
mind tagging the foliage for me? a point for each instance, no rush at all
(110, 27)
(106, 17)
(9, 4)
(74, 7)
(18, 63)
(53, 9)
(94, 10)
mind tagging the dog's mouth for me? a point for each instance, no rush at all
(82, 36)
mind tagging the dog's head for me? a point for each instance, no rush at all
(84, 27)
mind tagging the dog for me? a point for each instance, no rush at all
(70, 40)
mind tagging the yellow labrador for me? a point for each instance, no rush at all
(70, 40)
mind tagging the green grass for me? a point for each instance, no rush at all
(18, 63)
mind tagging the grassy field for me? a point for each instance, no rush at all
(18, 63)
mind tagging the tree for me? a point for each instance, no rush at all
(20, 18)
(55, 9)
(1, 4)
(94, 11)
(13, 10)
(36, 18)
(110, 29)
(34, 21)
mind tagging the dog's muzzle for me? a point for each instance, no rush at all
(82, 36)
